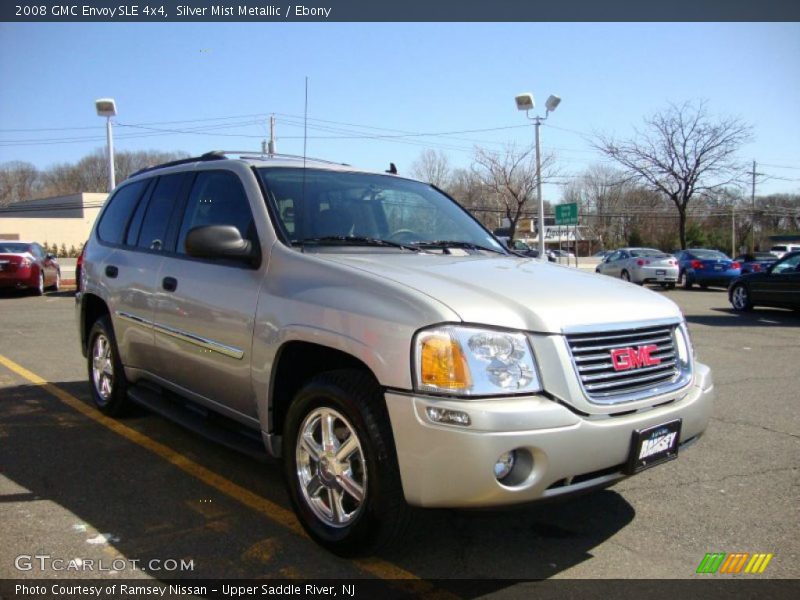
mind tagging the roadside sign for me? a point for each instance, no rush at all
(567, 214)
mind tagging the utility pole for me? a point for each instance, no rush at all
(269, 148)
(753, 203)
(272, 135)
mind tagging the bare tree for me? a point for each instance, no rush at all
(18, 181)
(512, 177)
(432, 166)
(90, 173)
(681, 153)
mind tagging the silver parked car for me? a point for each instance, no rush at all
(371, 333)
(641, 265)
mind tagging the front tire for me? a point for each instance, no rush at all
(740, 298)
(340, 464)
(107, 380)
(625, 276)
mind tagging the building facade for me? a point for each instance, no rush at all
(59, 220)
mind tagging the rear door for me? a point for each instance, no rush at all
(205, 308)
(125, 276)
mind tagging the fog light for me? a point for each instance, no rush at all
(504, 465)
(448, 417)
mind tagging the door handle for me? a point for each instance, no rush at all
(170, 284)
(112, 271)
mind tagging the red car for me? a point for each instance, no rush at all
(25, 265)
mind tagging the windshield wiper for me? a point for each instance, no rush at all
(355, 240)
(444, 244)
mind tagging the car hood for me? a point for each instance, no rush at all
(517, 293)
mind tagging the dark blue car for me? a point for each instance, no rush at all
(706, 268)
(756, 261)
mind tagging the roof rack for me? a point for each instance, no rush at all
(223, 155)
(267, 155)
(213, 155)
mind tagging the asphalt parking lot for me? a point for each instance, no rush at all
(144, 492)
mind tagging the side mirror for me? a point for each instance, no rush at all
(51, 256)
(218, 241)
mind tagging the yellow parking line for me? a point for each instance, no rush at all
(374, 566)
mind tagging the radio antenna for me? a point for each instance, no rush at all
(305, 141)
(305, 125)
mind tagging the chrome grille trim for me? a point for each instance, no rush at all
(602, 384)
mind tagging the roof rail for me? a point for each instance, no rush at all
(223, 154)
(268, 155)
(213, 155)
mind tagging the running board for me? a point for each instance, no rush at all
(210, 425)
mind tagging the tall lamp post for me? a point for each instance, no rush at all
(526, 102)
(106, 107)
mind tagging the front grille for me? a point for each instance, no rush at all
(602, 382)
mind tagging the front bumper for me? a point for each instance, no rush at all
(453, 466)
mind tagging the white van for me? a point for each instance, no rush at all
(782, 249)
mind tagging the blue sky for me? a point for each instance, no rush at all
(417, 78)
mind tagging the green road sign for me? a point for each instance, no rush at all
(567, 214)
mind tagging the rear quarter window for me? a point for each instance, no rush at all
(118, 211)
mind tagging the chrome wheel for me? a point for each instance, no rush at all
(40, 286)
(102, 367)
(739, 298)
(331, 468)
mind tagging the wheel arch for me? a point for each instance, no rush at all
(92, 308)
(296, 362)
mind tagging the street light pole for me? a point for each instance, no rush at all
(526, 102)
(106, 107)
(110, 151)
(540, 200)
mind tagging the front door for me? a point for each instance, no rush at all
(205, 309)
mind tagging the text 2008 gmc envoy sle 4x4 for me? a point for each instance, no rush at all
(379, 340)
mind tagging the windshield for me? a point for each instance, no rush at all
(17, 248)
(330, 206)
(638, 252)
(710, 254)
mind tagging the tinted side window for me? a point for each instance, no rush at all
(217, 198)
(118, 211)
(156, 219)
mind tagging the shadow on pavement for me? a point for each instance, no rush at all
(758, 317)
(157, 511)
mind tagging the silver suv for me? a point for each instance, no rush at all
(375, 336)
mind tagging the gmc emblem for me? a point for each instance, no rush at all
(632, 358)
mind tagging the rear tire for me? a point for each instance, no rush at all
(341, 466)
(39, 289)
(57, 283)
(107, 380)
(683, 281)
(740, 298)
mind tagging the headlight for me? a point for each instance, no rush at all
(474, 362)
(683, 340)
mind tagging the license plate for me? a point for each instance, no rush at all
(653, 446)
(719, 268)
(661, 272)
